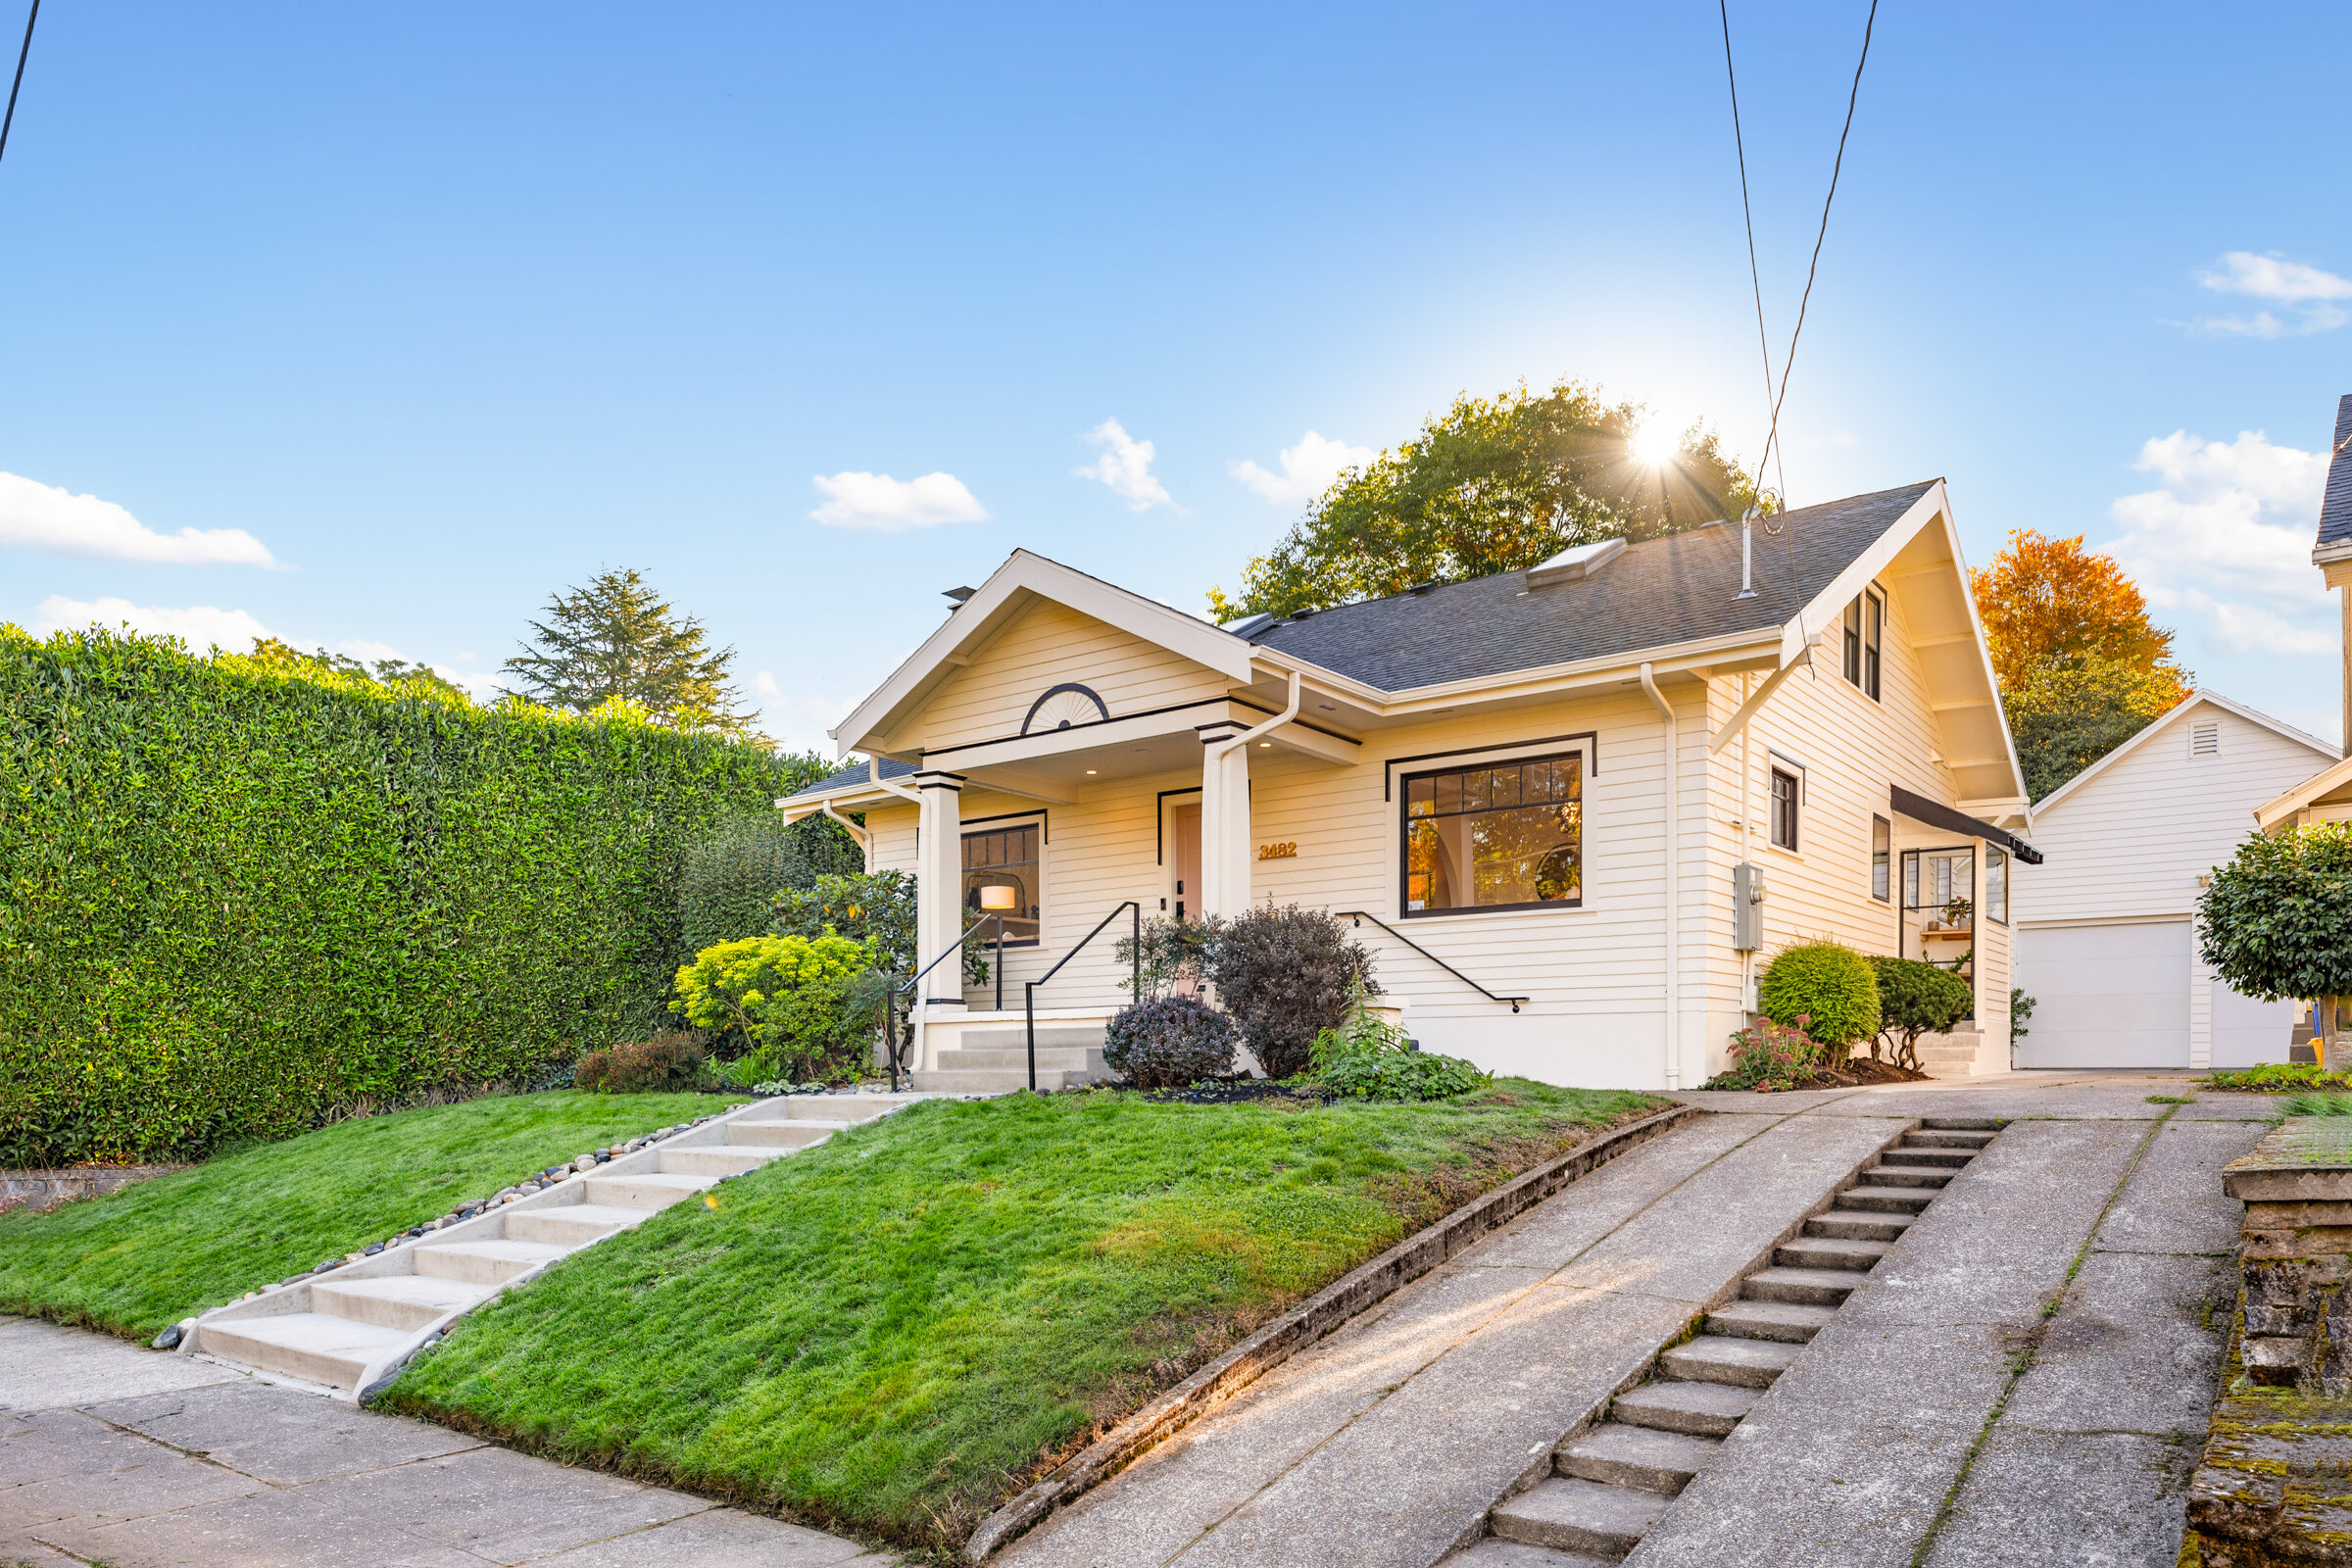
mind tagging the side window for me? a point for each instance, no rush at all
(1997, 884)
(1784, 809)
(1853, 642)
(1874, 635)
(1882, 846)
(1001, 857)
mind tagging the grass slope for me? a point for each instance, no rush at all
(894, 1331)
(157, 1251)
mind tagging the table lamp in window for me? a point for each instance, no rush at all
(997, 900)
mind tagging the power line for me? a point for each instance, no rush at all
(1755, 276)
(19, 84)
(1772, 434)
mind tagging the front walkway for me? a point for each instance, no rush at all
(113, 1454)
(1905, 1432)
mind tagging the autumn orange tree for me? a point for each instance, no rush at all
(2082, 666)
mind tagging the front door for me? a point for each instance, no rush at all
(1186, 823)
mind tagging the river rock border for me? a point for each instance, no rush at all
(171, 1338)
(1301, 1327)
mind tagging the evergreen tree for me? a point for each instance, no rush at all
(618, 639)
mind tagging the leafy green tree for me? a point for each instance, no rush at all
(395, 675)
(618, 639)
(1491, 485)
(2074, 708)
(2276, 922)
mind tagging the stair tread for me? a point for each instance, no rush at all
(1836, 1279)
(1624, 1443)
(423, 1289)
(320, 1333)
(514, 1251)
(1795, 1313)
(1834, 1246)
(1721, 1357)
(1677, 1406)
(1566, 1506)
(587, 1214)
(1497, 1553)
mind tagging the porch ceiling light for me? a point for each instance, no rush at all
(1265, 745)
(1000, 897)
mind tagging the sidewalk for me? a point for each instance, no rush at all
(113, 1454)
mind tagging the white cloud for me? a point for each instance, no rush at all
(893, 506)
(46, 518)
(200, 626)
(797, 721)
(1307, 469)
(1125, 465)
(2307, 293)
(2226, 537)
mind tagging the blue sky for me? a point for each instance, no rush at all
(372, 325)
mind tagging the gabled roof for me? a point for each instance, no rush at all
(2165, 722)
(1655, 593)
(2336, 508)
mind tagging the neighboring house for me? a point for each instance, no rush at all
(1535, 785)
(2106, 944)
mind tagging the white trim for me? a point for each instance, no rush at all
(2163, 721)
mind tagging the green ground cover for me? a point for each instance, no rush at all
(144, 1257)
(895, 1329)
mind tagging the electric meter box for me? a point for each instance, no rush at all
(1748, 906)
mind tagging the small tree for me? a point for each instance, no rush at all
(1916, 998)
(2277, 922)
(1828, 984)
(618, 639)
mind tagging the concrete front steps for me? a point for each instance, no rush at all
(1957, 1055)
(338, 1333)
(1611, 1482)
(988, 1053)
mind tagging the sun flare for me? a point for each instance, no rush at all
(1654, 445)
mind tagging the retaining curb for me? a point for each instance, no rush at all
(1365, 1286)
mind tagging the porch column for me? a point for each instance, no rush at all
(939, 887)
(1224, 821)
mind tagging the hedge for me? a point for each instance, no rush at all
(232, 899)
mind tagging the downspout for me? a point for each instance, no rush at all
(873, 774)
(1674, 946)
(1220, 747)
(866, 839)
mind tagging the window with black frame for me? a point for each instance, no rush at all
(1865, 636)
(1005, 857)
(1882, 844)
(1498, 836)
(1783, 810)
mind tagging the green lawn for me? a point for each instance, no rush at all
(895, 1331)
(157, 1251)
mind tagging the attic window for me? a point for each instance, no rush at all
(2205, 739)
(1576, 564)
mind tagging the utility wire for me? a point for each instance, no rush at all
(1755, 276)
(1772, 434)
(19, 84)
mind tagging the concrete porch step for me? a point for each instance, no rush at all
(1015, 1058)
(1860, 1225)
(1787, 1322)
(483, 1262)
(1829, 1252)
(573, 1225)
(1887, 1199)
(1644, 1458)
(407, 1301)
(314, 1347)
(827, 1108)
(1801, 1286)
(1717, 1358)
(1573, 1515)
(1699, 1409)
(994, 1082)
(727, 1161)
(1015, 1036)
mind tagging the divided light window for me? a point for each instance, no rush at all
(1997, 884)
(1865, 636)
(1005, 857)
(1882, 844)
(1784, 809)
(1503, 836)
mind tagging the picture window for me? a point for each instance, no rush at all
(1501, 836)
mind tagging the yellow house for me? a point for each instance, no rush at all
(1571, 810)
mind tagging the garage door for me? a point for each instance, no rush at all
(2105, 996)
(2246, 1032)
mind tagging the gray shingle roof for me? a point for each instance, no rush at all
(1658, 593)
(2335, 510)
(854, 773)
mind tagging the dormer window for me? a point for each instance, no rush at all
(1865, 635)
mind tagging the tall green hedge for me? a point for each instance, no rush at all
(231, 897)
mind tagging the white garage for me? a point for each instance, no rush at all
(2106, 943)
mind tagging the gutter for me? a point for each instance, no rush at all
(1289, 713)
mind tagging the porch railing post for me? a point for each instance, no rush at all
(1135, 954)
(1029, 1006)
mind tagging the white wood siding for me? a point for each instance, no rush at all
(1046, 645)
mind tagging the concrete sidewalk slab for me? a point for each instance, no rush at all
(161, 1473)
(2098, 1499)
(2135, 1348)
(2175, 1203)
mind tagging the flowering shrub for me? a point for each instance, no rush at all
(785, 995)
(1768, 1055)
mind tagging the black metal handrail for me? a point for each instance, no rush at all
(1360, 916)
(1029, 988)
(889, 1031)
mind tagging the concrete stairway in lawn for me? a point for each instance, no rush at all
(1612, 1481)
(337, 1333)
(994, 1061)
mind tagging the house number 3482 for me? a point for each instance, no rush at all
(1288, 850)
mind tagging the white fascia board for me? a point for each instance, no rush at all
(1008, 589)
(2270, 813)
(2163, 722)
(1667, 658)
